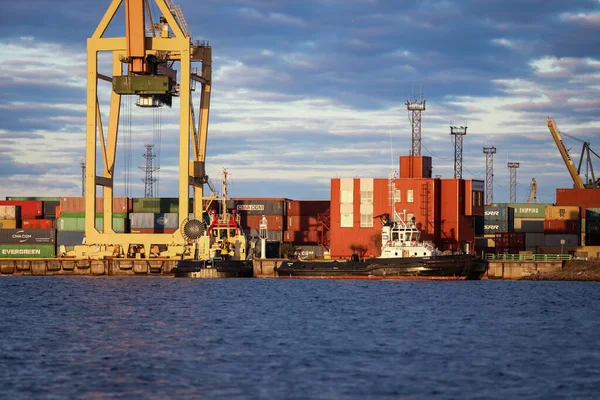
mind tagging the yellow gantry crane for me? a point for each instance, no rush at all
(590, 182)
(565, 153)
(532, 198)
(143, 66)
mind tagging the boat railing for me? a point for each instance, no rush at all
(528, 257)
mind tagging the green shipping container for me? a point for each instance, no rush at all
(27, 251)
(162, 205)
(98, 215)
(78, 224)
(529, 210)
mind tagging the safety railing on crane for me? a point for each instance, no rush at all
(176, 10)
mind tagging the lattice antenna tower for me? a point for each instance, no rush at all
(415, 108)
(149, 179)
(512, 166)
(458, 132)
(489, 174)
(82, 164)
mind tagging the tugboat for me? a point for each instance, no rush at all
(403, 256)
(219, 251)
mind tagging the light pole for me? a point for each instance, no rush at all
(562, 243)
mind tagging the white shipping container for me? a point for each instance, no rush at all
(9, 212)
(555, 240)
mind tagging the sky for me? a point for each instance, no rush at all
(305, 91)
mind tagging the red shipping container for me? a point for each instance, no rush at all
(302, 237)
(303, 223)
(307, 207)
(578, 197)
(121, 205)
(153, 230)
(30, 209)
(510, 240)
(274, 222)
(567, 227)
(57, 212)
(37, 223)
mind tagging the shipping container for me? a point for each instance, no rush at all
(593, 240)
(479, 225)
(529, 210)
(120, 225)
(258, 206)
(307, 207)
(274, 222)
(555, 240)
(27, 251)
(491, 227)
(10, 212)
(157, 230)
(33, 198)
(30, 209)
(154, 220)
(167, 205)
(529, 225)
(37, 223)
(121, 205)
(498, 213)
(272, 236)
(578, 197)
(49, 208)
(554, 213)
(303, 223)
(98, 215)
(510, 240)
(566, 227)
(27, 236)
(69, 238)
(591, 214)
(532, 240)
(9, 224)
(592, 227)
(308, 252)
(300, 237)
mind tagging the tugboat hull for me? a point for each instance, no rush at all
(214, 269)
(424, 268)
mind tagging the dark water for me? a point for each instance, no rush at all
(70, 337)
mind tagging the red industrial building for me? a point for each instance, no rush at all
(444, 209)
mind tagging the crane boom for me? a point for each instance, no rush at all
(564, 153)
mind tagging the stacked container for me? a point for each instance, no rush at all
(510, 242)
(154, 222)
(10, 217)
(591, 224)
(30, 209)
(498, 219)
(75, 222)
(27, 243)
(251, 211)
(529, 219)
(562, 224)
(303, 226)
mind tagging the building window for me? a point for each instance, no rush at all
(346, 197)
(366, 220)
(410, 197)
(398, 196)
(346, 220)
(366, 197)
